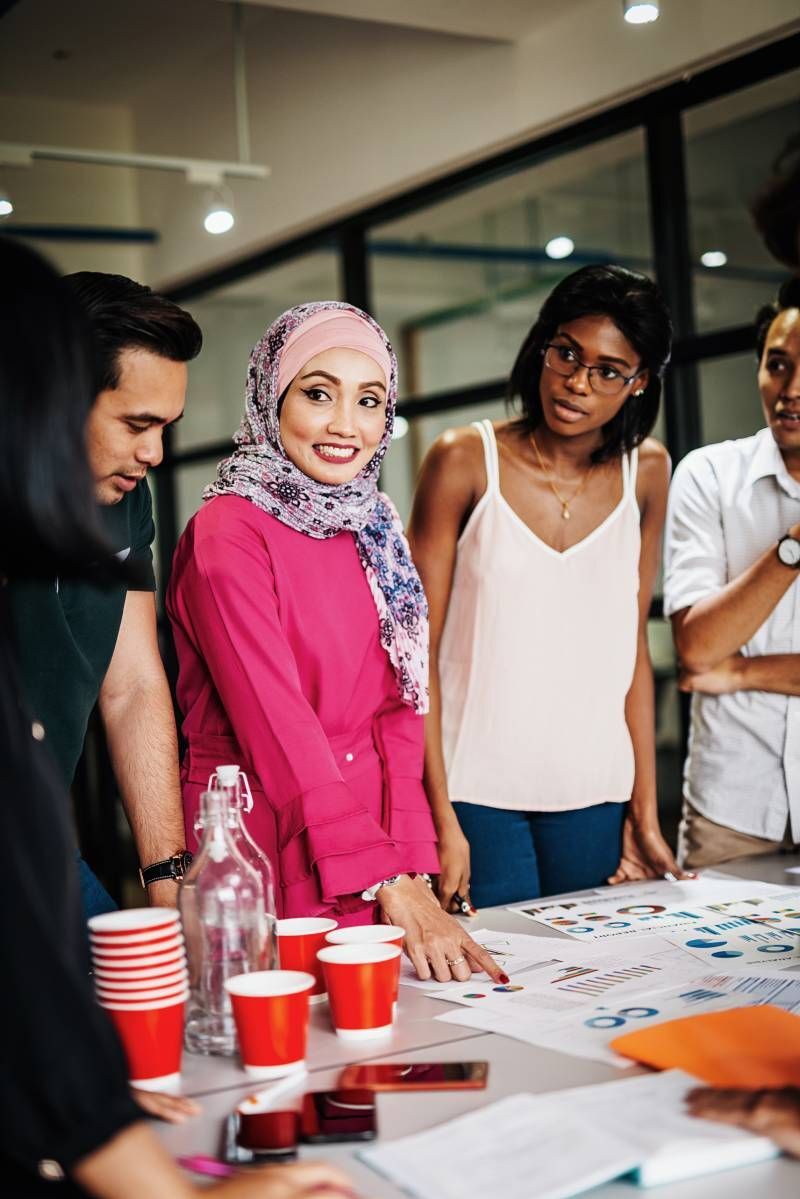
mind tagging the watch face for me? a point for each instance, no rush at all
(789, 551)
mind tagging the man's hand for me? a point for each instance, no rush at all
(769, 1113)
(726, 677)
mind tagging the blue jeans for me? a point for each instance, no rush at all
(521, 855)
(94, 897)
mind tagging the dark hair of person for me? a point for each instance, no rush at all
(49, 524)
(788, 297)
(635, 305)
(125, 315)
(776, 207)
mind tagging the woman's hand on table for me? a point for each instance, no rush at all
(769, 1113)
(454, 870)
(435, 942)
(175, 1109)
(645, 854)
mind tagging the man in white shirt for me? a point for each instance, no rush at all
(732, 559)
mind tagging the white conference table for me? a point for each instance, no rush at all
(219, 1084)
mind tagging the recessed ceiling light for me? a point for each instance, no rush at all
(559, 247)
(637, 13)
(714, 258)
(6, 207)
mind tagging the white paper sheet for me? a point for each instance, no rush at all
(499, 1150)
(567, 1141)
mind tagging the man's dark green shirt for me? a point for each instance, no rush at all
(66, 632)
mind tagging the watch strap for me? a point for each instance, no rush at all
(174, 867)
(371, 893)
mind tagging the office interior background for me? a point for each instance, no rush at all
(442, 164)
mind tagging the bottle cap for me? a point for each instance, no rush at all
(227, 775)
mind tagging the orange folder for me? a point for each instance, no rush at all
(747, 1047)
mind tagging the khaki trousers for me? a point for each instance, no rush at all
(701, 842)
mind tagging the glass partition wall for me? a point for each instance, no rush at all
(456, 270)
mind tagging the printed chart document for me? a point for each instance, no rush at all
(562, 1143)
(587, 1031)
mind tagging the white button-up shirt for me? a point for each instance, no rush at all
(728, 504)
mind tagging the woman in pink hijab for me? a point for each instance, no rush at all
(301, 630)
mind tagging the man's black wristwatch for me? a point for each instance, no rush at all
(174, 867)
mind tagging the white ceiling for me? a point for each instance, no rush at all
(501, 20)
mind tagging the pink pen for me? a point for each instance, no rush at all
(199, 1164)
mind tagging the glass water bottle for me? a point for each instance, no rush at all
(234, 782)
(221, 902)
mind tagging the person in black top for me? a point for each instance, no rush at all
(69, 1125)
(80, 644)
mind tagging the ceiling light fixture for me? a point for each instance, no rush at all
(714, 258)
(6, 207)
(636, 12)
(219, 216)
(559, 247)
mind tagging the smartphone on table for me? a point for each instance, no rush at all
(417, 1076)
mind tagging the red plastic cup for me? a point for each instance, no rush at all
(362, 983)
(152, 1037)
(114, 995)
(134, 985)
(367, 934)
(144, 972)
(141, 941)
(370, 934)
(150, 949)
(270, 1008)
(128, 966)
(299, 941)
(132, 921)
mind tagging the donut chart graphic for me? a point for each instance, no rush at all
(775, 948)
(605, 1022)
(638, 1013)
(641, 909)
(508, 987)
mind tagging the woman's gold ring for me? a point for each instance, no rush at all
(455, 961)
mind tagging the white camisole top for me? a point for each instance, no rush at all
(537, 656)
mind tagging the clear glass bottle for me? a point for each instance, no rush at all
(234, 782)
(221, 902)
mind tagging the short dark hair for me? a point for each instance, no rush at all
(50, 524)
(125, 315)
(776, 207)
(788, 297)
(635, 304)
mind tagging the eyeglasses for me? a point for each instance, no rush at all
(606, 380)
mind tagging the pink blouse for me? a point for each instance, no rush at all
(281, 671)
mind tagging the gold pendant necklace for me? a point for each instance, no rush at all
(565, 512)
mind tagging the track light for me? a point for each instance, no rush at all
(713, 258)
(6, 207)
(636, 12)
(219, 216)
(559, 247)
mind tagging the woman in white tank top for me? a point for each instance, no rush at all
(537, 540)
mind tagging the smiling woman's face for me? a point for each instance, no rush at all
(570, 404)
(333, 415)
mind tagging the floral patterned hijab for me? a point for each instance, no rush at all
(259, 470)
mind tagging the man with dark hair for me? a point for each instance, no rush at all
(732, 561)
(81, 644)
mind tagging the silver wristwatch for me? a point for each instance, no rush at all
(789, 551)
(371, 893)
